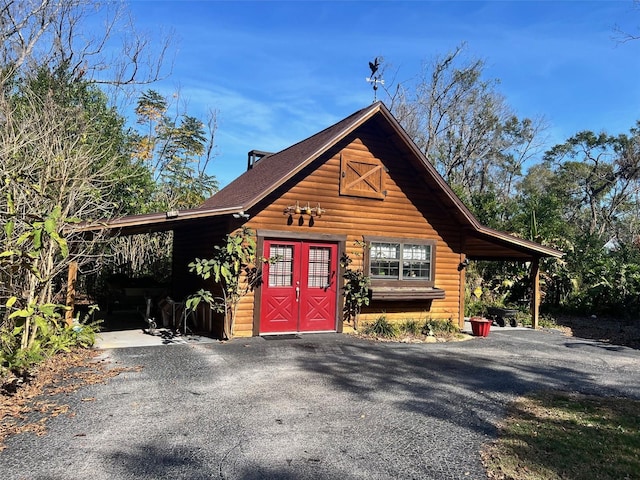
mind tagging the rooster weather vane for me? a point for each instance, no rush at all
(375, 79)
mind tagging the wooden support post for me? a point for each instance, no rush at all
(461, 292)
(535, 292)
(462, 279)
(71, 292)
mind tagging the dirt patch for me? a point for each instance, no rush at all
(603, 329)
(28, 407)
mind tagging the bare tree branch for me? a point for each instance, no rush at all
(56, 33)
(621, 35)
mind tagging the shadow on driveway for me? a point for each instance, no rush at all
(318, 406)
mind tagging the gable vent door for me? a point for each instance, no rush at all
(299, 291)
(363, 177)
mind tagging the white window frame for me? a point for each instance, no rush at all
(397, 275)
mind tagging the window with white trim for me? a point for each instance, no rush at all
(401, 260)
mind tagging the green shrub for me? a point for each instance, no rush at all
(381, 327)
(85, 329)
(434, 327)
(19, 361)
(54, 337)
(84, 335)
(410, 326)
(356, 290)
(544, 320)
(474, 308)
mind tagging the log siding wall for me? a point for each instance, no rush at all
(407, 211)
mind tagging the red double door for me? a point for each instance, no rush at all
(299, 290)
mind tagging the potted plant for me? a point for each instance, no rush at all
(480, 326)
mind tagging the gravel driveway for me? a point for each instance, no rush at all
(317, 407)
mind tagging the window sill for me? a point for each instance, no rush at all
(406, 293)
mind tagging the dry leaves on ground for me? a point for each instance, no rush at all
(39, 399)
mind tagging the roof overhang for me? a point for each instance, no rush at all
(503, 246)
(311, 156)
(487, 244)
(155, 222)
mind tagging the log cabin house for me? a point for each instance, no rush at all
(359, 182)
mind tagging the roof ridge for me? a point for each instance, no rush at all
(315, 135)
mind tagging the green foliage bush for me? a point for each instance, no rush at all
(236, 270)
(411, 327)
(474, 308)
(545, 320)
(56, 337)
(381, 327)
(606, 282)
(356, 290)
(433, 327)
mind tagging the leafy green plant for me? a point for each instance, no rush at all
(545, 320)
(32, 327)
(53, 336)
(18, 362)
(202, 296)
(356, 290)
(34, 321)
(84, 330)
(433, 327)
(411, 327)
(381, 327)
(235, 268)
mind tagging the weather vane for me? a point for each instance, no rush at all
(375, 79)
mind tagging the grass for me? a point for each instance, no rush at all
(557, 435)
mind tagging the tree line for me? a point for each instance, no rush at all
(580, 196)
(68, 155)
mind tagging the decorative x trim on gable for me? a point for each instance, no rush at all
(362, 178)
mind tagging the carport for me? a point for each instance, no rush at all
(145, 224)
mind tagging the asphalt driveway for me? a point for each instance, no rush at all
(317, 407)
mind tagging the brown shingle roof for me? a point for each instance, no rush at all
(271, 171)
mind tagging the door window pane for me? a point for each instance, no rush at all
(319, 267)
(281, 272)
(416, 262)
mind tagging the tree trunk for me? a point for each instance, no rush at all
(71, 292)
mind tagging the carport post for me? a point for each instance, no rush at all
(535, 292)
(71, 292)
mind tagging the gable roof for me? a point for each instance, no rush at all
(272, 171)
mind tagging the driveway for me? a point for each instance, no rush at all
(316, 407)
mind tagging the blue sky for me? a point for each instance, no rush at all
(278, 72)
